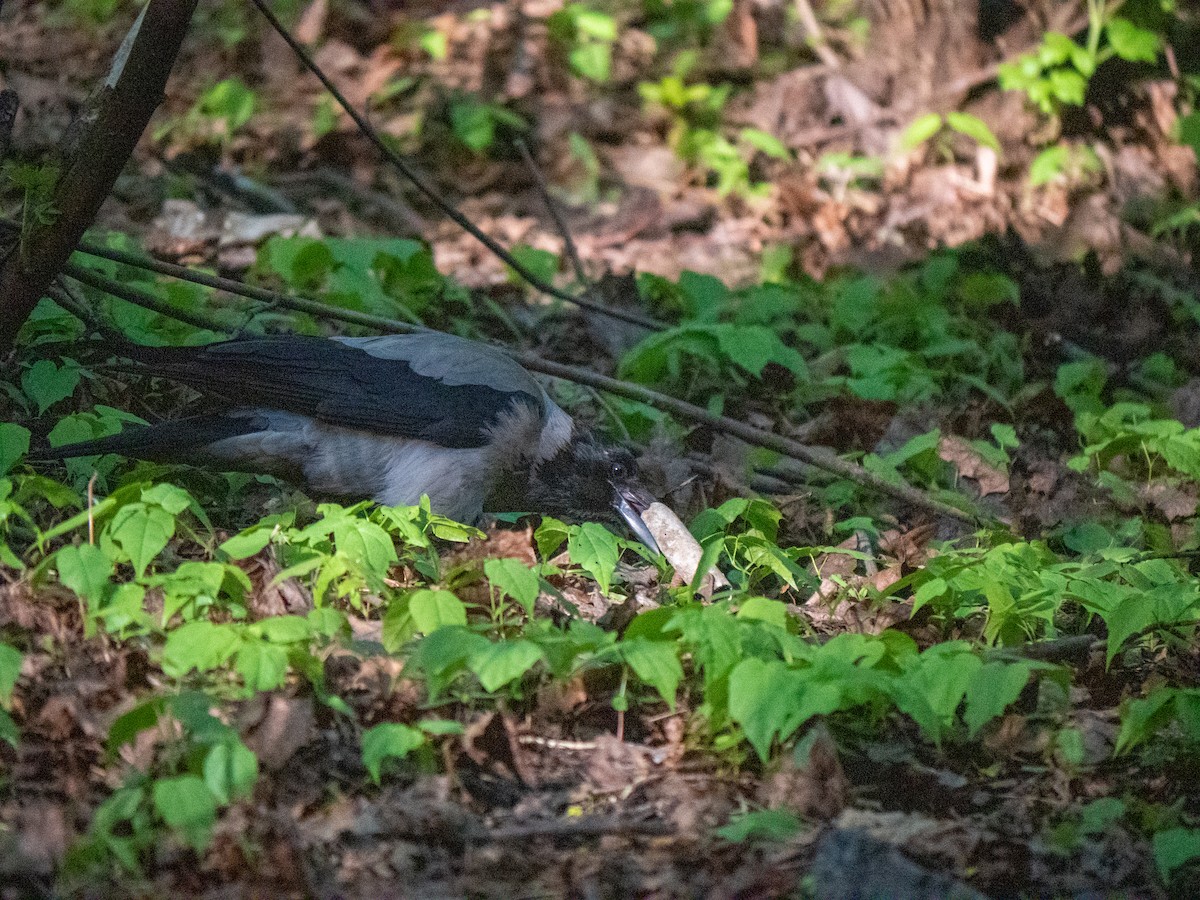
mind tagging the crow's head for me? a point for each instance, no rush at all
(591, 481)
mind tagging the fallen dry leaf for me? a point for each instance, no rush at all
(970, 464)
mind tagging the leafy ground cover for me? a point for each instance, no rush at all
(213, 685)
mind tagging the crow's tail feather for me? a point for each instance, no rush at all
(176, 441)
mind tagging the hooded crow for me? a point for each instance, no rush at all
(388, 418)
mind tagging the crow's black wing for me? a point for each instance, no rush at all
(435, 387)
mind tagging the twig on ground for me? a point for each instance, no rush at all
(589, 827)
(402, 166)
(555, 744)
(544, 189)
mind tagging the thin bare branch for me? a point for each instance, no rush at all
(544, 189)
(140, 298)
(426, 190)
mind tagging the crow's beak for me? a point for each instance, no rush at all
(630, 503)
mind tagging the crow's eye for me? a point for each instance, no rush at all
(618, 470)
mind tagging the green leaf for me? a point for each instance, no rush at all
(443, 654)
(763, 609)
(186, 804)
(1175, 847)
(514, 578)
(595, 549)
(230, 770)
(764, 142)
(14, 443)
(10, 670)
(1144, 716)
(974, 128)
(592, 60)
(9, 732)
(389, 740)
(769, 700)
(85, 569)
(1187, 127)
(263, 666)
(927, 592)
(992, 689)
(131, 724)
(935, 686)
(550, 535)
(283, 629)
(762, 824)
(473, 123)
(656, 663)
(198, 645)
(46, 384)
(1131, 42)
(366, 544)
(434, 609)
(920, 130)
(504, 661)
(142, 532)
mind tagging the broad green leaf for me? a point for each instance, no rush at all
(366, 544)
(10, 669)
(919, 131)
(769, 700)
(389, 740)
(595, 549)
(762, 825)
(764, 142)
(247, 543)
(550, 535)
(1144, 716)
(592, 60)
(9, 733)
(194, 710)
(230, 770)
(504, 661)
(131, 724)
(186, 804)
(263, 666)
(171, 498)
(1175, 847)
(85, 569)
(14, 443)
(764, 609)
(46, 384)
(1187, 126)
(656, 663)
(1131, 42)
(142, 532)
(929, 591)
(443, 654)
(514, 578)
(992, 689)
(974, 128)
(283, 629)
(434, 609)
(199, 645)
